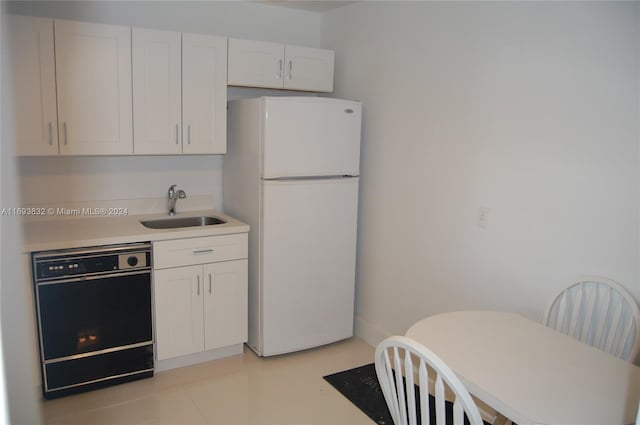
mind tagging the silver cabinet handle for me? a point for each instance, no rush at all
(209, 283)
(203, 251)
(177, 136)
(280, 64)
(290, 69)
(198, 285)
(50, 133)
(65, 132)
(189, 134)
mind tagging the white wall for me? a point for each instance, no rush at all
(67, 180)
(528, 109)
(240, 19)
(19, 350)
(57, 180)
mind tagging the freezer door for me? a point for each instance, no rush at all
(311, 136)
(308, 263)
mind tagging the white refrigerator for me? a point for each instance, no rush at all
(291, 172)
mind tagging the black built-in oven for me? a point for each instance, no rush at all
(94, 317)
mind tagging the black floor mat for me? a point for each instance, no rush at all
(360, 385)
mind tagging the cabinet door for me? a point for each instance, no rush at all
(308, 69)
(157, 102)
(255, 63)
(32, 88)
(225, 304)
(93, 71)
(178, 299)
(204, 94)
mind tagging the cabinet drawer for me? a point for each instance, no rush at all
(210, 249)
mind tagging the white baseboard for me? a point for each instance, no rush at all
(370, 333)
(205, 356)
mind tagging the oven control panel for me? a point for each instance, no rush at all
(132, 260)
(49, 266)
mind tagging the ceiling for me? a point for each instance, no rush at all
(309, 5)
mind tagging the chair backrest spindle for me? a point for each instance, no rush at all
(400, 385)
(590, 305)
(411, 394)
(440, 407)
(575, 312)
(425, 410)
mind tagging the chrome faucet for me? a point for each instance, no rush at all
(174, 195)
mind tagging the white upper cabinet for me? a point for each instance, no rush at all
(157, 92)
(78, 87)
(308, 69)
(179, 93)
(204, 94)
(255, 63)
(93, 74)
(33, 85)
(273, 65)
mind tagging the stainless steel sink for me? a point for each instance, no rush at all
(174, 223)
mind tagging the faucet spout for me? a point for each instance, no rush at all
(173, 196)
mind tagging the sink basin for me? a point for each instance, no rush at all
(174, 223)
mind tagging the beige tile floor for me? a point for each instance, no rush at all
(243, 389)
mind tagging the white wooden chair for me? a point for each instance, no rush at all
(410, 360)
(599, 312)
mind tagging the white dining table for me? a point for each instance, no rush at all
(529, 373)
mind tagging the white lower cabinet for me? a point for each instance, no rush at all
(200, 307)
(225, 304)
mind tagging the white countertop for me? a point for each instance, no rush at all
(74, 232)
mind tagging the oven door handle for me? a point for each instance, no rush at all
(95, 277)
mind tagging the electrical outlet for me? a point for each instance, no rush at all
(483, 218)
